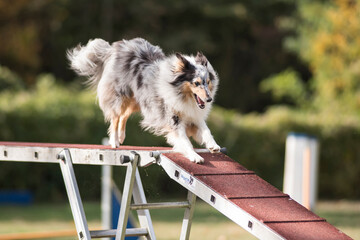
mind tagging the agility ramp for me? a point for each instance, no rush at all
(236, 192)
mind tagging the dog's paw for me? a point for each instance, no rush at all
(114, 143)
(194, 157)
(214, 148)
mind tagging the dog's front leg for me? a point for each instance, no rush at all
(204, 137)
(181, 143)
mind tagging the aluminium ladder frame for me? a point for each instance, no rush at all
(99, 155)
(132, 188)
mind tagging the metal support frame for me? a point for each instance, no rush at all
(132, 188)
(106, 197)
(126, 198)
(72, 189)
(189, 212)
(125, 158)
(143, 213)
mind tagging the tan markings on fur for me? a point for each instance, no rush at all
(186, 89)
(128, 106)
(114, 123)
(210, 85)
(191, 130)
(179, 67)
(200, 91)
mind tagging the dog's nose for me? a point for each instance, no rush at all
(209, 99)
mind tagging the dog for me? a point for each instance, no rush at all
(174, 93)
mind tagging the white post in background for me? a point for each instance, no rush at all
(301, 168)
(106, 203)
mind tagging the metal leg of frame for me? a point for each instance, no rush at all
(189, 212)
(72, 189)
(126, 198)
(143, 215)
(106, 204)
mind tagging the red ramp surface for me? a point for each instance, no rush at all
(258, 198)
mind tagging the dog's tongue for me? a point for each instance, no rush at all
(201, 102)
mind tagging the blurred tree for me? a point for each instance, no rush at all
(328, 40)
(286, 85)
(19, 37)
(9, 80)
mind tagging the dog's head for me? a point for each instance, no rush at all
(195, 78)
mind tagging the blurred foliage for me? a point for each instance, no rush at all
(286, 85)
(50, 112)
(9, 80)
(240, 38)
(328, 40)
(258, 142)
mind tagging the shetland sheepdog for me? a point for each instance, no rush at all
(174, 93)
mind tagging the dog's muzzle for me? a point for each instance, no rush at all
(199, 102)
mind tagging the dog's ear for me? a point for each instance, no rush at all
(201, 59)
(184, 63)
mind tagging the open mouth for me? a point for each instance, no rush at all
(199, 102)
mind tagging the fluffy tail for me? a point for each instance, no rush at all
(89, 60)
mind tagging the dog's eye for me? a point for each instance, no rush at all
(197, 84)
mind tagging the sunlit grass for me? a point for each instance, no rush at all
(344, 215)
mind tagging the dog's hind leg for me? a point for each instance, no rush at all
(128, 107)
(122, 126)
(113, 134)
(121, 129)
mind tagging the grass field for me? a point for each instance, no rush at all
(207, 223)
